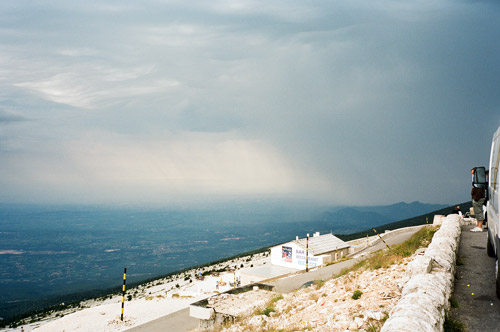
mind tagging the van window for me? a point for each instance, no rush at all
(495, 156)
(494, 166)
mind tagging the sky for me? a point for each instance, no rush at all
(342, 102)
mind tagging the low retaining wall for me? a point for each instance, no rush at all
(424, 301)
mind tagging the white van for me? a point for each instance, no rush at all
(491, 183)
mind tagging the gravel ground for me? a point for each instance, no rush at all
(474, 290)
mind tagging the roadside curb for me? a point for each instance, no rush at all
(425, 297)
(387, 234)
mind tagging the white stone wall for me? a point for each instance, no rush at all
(424, 300)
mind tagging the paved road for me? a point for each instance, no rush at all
(181, 321)
(289, 284)
(479, 312)
(390, 239)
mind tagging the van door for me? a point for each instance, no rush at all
(493, 173)
(493, 202)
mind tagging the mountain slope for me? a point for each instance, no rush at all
(347, 220)
(414, 221)
(402, 210)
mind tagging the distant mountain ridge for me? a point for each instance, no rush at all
(426, 218)
(402, 210)
(349, 220)
(352, 219)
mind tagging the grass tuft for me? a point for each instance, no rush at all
(452, 325)
(269, 307)
(453, 302)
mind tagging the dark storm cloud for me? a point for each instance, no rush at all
(7, 117)
(349, 102)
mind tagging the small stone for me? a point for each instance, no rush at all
(359, 321)
(353, 327)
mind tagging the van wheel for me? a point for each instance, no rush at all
(497, 277)
(489, 247)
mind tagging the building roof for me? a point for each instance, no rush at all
(322, 244)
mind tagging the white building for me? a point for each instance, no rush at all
(323, 249)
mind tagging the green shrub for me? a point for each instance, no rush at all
(357, 294)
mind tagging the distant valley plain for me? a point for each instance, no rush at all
(49, 253)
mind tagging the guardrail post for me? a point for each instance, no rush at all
(381, 239)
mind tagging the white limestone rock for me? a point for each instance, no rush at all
(438, 219)
(442, 254)
(419, 265)
(353, 327)
(374, 315)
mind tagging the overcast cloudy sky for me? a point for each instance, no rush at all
(347, 102)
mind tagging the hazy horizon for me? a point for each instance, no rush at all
(270, 205)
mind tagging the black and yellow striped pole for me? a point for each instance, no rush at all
(123, 291)
(381, 239)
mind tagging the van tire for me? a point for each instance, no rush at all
(489, 246)
(497, 277)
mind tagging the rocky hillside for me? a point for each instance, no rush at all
(357, 301)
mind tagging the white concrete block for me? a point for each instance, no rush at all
(419, 265)
(438, 219)
(201, 312)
